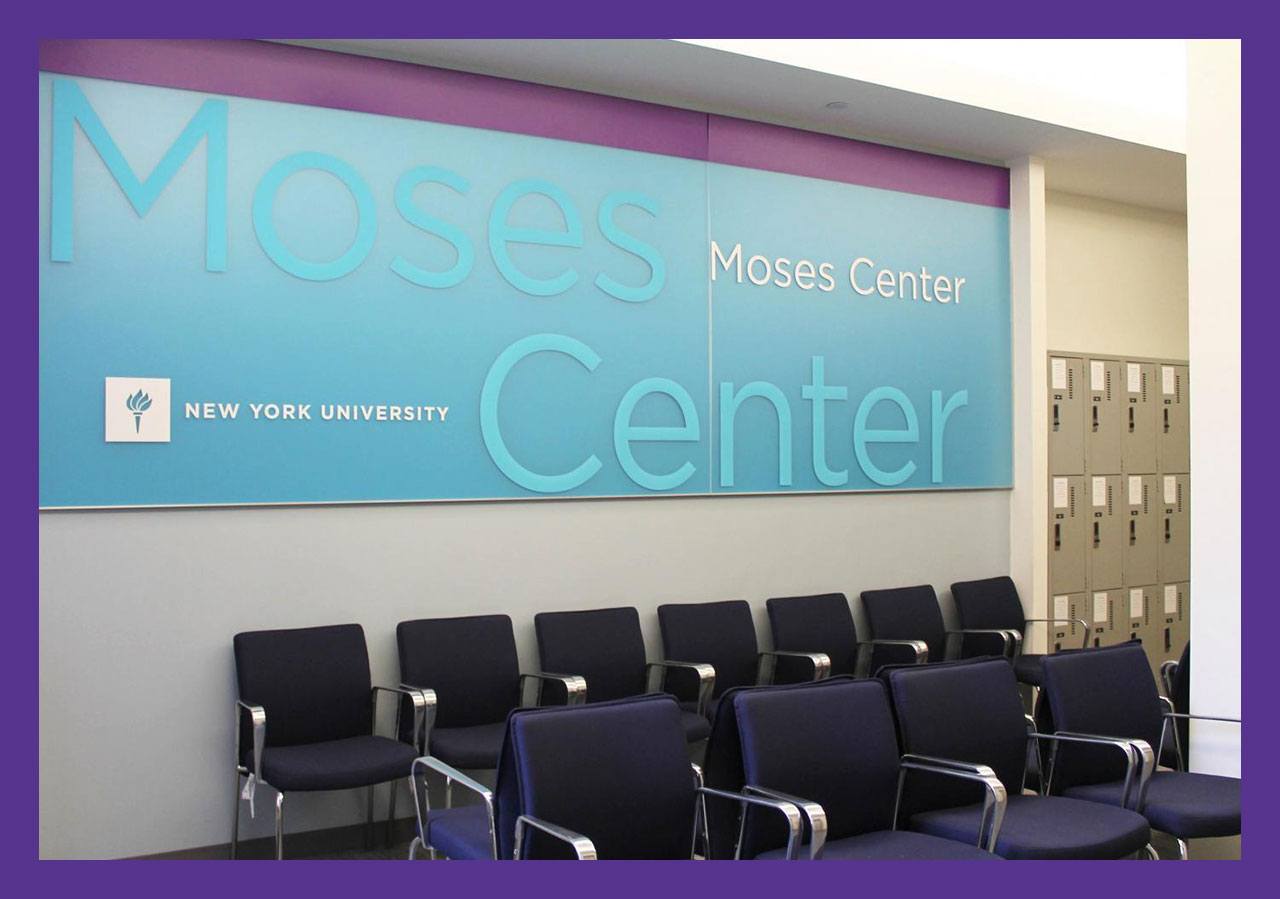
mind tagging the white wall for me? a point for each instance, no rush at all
(1213, 209)
(137, 611)
(1117, 278)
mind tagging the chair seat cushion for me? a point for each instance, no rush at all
(337, 764)
(1050, 827)
(891, 845)
(1026, 668)
(468, 747)
(696, 727)
(460, 833)
(1184, 805)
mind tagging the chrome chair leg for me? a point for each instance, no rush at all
(448, 792)
(413, 848)
(368, 818)
(391, 814)
(279, 826)
(235, 818)
(1183, 852)
(1152, 855)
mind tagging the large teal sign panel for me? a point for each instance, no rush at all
(245, 301)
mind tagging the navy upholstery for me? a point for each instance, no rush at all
(820, 623)
(603, 645)
(1046, 827)
(1186, 805)
(336, 764)
(1180, 696)
(1108, 691)
(832, 743)
(468, 747)
(906, 613)
(993, 604)
(719, 633)
(460, 833)
(470, 663)
(894, 845)
(971, 711)
(1026, 668)
(313, 683)
(616, 772)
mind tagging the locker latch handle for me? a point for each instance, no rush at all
(1097, 540)
(1095, 418)
(1057, 536)
(1133, 532)
(1166, 529)
(1130, 419)
(1055, 416)
(1166, 421)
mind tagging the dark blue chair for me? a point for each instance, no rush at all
(1111, 691)
(722, 634)
(606, 648)
(833, 743)
(821, 625)
(971, 711)
(470, 673)
(1176, 678)
(912, 614)
(609, 780)
(305, 719)
(993, 605)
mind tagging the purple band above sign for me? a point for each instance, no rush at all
(289, 74)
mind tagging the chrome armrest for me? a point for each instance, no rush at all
(422, 807)
(419, 700)
(995, 797)
(1201, 717)
(582, 847)
(1088, 630)
(813, 812)
(429, 704)
(1139, 759)
(1167, 668)
(866, 647)
(1167, 725)
(258, 717)
(706, 679)
(787, 809)
(575, 686)
(767, 661)
(1012, 639)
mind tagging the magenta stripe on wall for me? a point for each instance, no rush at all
(290, 74)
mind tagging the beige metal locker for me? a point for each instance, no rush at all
(1066, 415)
(1105, 527)
(1175, 528)
(1066, 535)
(1138, 444)
(1175, 422)
(1175, 619)
(1101, 608)
(1139, 623)
(1105, 416)
(1141, 539)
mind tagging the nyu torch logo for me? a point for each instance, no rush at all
(137, 403)
(137, 410)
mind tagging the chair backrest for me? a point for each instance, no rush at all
(1109, 691)
(907, 613)
(615, 772)
(313, 682)
(603, 645)
(720, 633)
(470, 663)
(820, 623)
(833, 743)
(1180, 688)
(969, 711)
(989, 603)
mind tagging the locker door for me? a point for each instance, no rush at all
(1062, 635)
(1175, 527)
(1175, 421)
(1066, 535)
(1138, 617)
(1102, 617)
(1140, 543)
(1138, 445)
(1105, 530)
(1066, 415)
(1105, 416)
(1176, 618)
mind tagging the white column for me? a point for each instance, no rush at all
(1213, 261)
(1029, 502)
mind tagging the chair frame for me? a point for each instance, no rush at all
(258, 717)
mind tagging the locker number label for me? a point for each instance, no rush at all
(1097, 376)
(1099, 608)
(1059, 367)
(1170, 490)
(1166, 380)
(1134, 372)
(1061, 608)
(1060, 495)
(1135, 490)
(1099, 491)
(1170, 600)
(1135, 603)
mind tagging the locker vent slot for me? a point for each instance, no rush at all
(1071, 383)
(1107, 378)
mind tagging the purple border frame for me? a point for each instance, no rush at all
(291, 74)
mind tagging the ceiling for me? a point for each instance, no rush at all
(711, 80)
